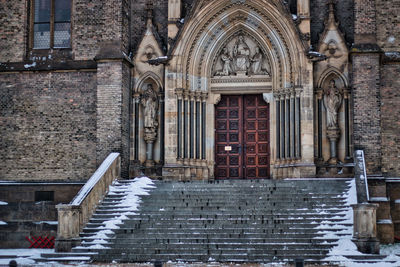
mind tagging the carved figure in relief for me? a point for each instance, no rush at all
(226, 62)
(148, 54)
(332, 101)
(149, 100)
(241, 54)
(257, 62)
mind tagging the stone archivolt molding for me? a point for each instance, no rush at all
(201, 42)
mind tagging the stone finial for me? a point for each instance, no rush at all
(149, 10)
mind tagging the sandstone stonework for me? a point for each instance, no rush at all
(64, 110)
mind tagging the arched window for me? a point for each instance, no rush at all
(50, 24)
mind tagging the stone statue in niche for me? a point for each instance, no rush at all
(226, 62)
(241, 55)
(332, 100)
(149, 101)
(257, 62)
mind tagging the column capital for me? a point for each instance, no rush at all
(192, 95)
(204, 96)
(198, 95)
(179, 92)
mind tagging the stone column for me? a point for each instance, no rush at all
(333, 134)
(364, 231)
(318, 96)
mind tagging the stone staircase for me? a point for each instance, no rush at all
(222, 221)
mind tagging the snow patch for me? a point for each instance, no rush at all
(129, 203)
(85, 190)
(387, 221)
(23, 257)
(3, 223)
(3, 203)
(378, 199)
(27, 66)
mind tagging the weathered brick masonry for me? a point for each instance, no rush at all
(367, 102)
(93, 23)
(48, 125)
(48, 137)
(113, 111)
(390, 92)
(388, 24)
(13, 15)
(388, 35)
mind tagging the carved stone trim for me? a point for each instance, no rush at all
(179, 93)
(244, 18)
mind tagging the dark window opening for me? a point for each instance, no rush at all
(293, 6)
(44, 195)
(51, 24)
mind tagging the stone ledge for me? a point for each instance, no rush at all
(365, 48)
(49, 65)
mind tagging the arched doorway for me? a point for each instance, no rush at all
(242, 144)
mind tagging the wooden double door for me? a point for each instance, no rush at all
(242, 137)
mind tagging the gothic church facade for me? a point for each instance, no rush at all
(198, 89)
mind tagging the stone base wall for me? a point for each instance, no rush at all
(25, 216)
(48, 126)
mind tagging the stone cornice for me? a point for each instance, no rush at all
(49, 65)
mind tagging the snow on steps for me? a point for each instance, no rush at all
(115, 233)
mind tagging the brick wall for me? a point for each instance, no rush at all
(365, 21)
(388, 24)
(390, 92)
(113, 112)
(93, 22)
(366, 104)
(47, 125)
(12, 30)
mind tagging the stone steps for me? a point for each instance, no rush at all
(225, 221)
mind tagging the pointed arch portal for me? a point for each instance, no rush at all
(239, 48)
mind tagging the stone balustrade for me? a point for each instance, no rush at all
(364, 213)
(73, 217)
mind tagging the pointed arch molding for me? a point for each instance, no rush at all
(146, 76)
(210, 28)
(332, 71)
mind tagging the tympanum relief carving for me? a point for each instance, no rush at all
(242, 57)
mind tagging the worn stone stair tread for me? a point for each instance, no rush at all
(69, 254)
(227, 221)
